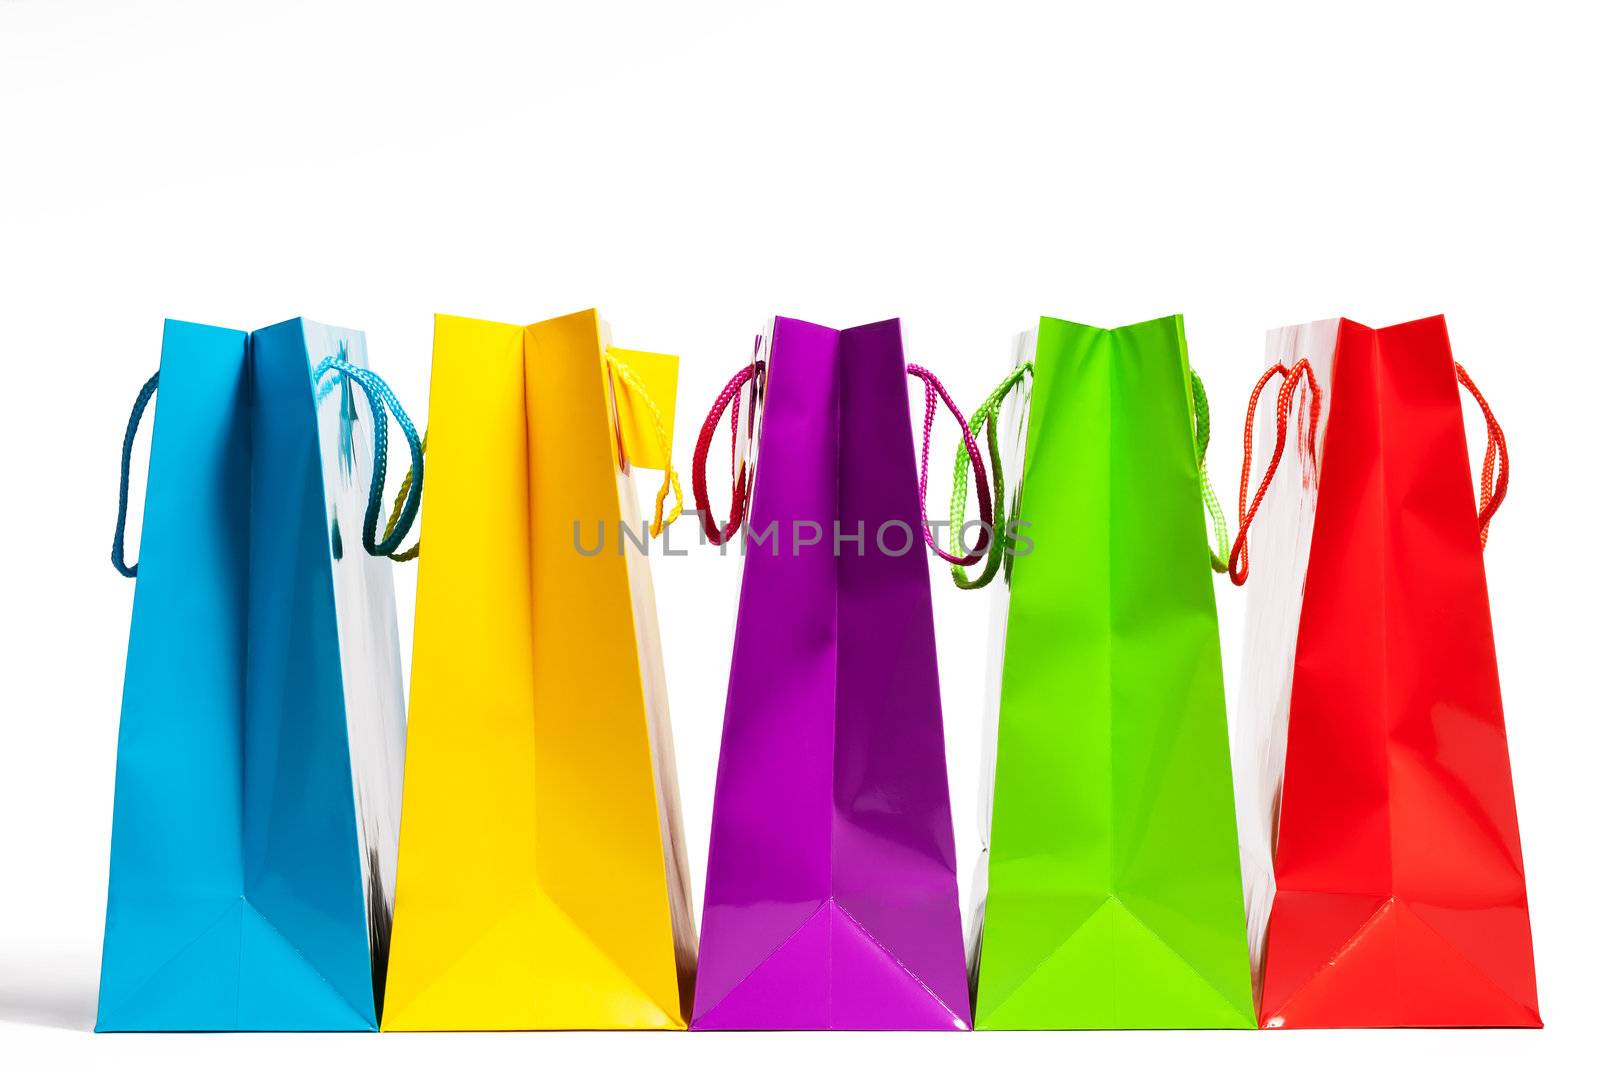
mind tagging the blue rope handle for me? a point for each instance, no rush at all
(382, 401)
(118, 548)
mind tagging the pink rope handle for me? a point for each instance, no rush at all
(931, 386)
(715, 533)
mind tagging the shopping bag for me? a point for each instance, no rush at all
(1108, 892)
(1383, 862)
(830, 891)
(258, 761)
(543, 883)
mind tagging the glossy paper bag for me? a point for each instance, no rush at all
(831, 893)
(1109, 891)
(1383, 857)
(258, 763)
(542, 877)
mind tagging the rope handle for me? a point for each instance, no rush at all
(1491, 490)
(715, 533)
(931, 387)
(1493, 480)
(986, 418)
(400, 495)
(669, 478)
(383, 403)
(1208, 495)
(118, 548)
(718, 533)
(378, 395)
(626, 375)
(1239, 558)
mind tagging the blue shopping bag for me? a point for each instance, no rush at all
(259, 759)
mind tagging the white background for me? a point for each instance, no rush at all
(694, 169)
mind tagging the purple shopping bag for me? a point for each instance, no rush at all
(831, 889)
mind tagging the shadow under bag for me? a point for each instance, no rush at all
(258, 763)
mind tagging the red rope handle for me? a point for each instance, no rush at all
(741, 482)
(1239, 558)
(931, 386)
(729, 397)
(1491, 492)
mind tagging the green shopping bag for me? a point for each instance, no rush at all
(1113, 896)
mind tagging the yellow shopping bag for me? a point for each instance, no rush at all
(542, 880)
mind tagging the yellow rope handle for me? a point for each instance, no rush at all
(626, 376)
(394, 512)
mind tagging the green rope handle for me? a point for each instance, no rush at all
(394, 512)
(985, 417)
(1202, 438)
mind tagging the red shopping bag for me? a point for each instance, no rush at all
(1390, 824)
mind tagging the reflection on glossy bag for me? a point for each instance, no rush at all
(258, 763)
(542, 878)
(830, 891)
(1109, 891)
(1383, 860)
